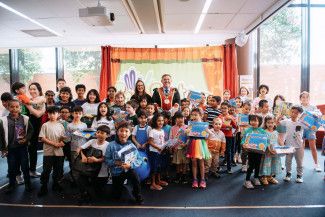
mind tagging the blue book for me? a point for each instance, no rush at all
(233, 103)
(256, 142)
(310, 121)
(243, 120)
(198, 129)
(195, 97)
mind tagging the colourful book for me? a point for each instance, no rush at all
(85, 134)
(232, 102)
(198, 129)
(243, 120)
(310, 121)
(256, 142)
(195, 97)
(283, 150)
(284, 108)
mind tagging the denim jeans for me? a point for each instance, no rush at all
(18, 158)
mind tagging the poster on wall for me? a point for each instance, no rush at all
(247, 81)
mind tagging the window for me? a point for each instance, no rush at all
(317, 48)
(82, 66)
(280, 53)
(4, 72)
(37, 65)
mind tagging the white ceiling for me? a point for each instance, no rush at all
(225, 19)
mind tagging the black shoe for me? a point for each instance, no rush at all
(139, 200)
(28, 187)
(43, 191)
(216, 175)
(10, 189)
(184, 180)
(84, 198)
(57, 188)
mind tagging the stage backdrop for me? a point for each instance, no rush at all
(200, 69)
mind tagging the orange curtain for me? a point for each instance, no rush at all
(230, 71)
(211, 57)
(105, 72)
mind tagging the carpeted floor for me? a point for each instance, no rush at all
(223, 197)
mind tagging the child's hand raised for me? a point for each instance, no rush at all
(126, 166)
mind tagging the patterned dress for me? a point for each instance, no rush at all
(271, 164)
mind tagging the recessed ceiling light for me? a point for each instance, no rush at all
(28, 18)
(202, 16)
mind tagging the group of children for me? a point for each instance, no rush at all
(139, 127)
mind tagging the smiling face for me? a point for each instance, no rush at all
(224, 109)
(263, 91)
(140, 87)
(305, 99)
(80, 92)
(270, 124)
(119, 100)
(111, 93)
(243, 92)
(65, 96)
(179, 121)
(92, 97)
(246, 109)
(142, 120)
(186, 112)
(65, 114)
(160, 122)
(129, 109)
(61, 84)
(103, 110)
(123, 134)
(33, 91)
(196, 116)
(254, 122)
(226, 95)
(217, 123)
(101, 135)
(166, 81)
(49, 98)
(150, 109)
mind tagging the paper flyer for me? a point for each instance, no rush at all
(283, 150)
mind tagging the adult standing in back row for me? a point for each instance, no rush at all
(166, 96)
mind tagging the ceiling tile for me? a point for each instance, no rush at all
(226, 6)
(183, 7)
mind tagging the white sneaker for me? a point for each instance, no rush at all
(244, 168)
(235, 158)
(248, 185)
(256, 182)
(317, 168)
(287, 178)
(239, 159)
(20, 180)
(299, 179)
(109, 181)
(125, 182)
(34, 174)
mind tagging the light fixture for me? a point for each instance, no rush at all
(28, 18)
(202, 16)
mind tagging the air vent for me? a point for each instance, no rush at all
(39, 33)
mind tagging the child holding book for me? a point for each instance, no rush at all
(122, 168)
(270, 162)
(15, 133)
(52, 135)
(291, 133)
(157, 146)
(254, 159)
(198, 152)
(178, 136)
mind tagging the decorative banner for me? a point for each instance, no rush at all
(198, 129)
(256, 142)
(310, 121)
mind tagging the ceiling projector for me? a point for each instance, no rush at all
(96, 16)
